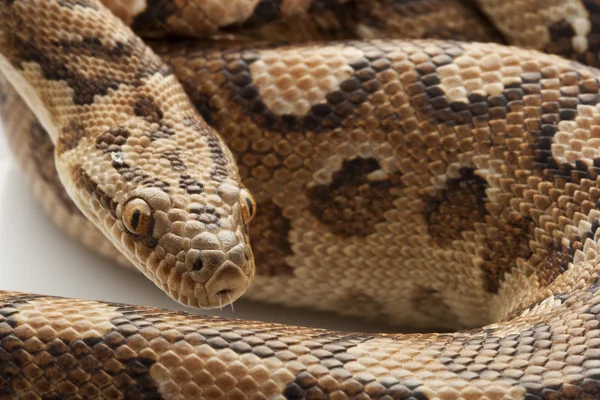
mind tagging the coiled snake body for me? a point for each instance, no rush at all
(434, 183)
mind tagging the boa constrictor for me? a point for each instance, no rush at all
(444, 184)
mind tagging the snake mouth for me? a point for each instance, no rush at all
(219, 273)
(226, 285)
(223, 293)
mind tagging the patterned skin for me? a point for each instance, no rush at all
(406, 148)
(183, 228)
(304, 20)
(437, 184)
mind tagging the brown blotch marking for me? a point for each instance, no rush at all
(55, 68)
(559, 257)
(534, 340)
(429, 99)
(91, 46)
(236, 75)
(200, 100)
(162, 132)
(555, 263)
(70, 136)
(591, 57)
(43, 158)
(470, 24)
(264, 12)
(501, 251)
(173, 157)
(155, 17)
(574, 91)
(205, 213)
(137, 175)
(433, 106)
(338, 106)
(112, 140)
(562, 173)
(368, 13)
(331, 350)
(140, 384)
(219, 162)
(190, 185)
(333, 354)
(561, 35)
(83, 180)
(60, 367)
(56, 61)
(147, 108)
(336, 110)
(269, 231)
(457, 208)
(353, 204)
(341, 104)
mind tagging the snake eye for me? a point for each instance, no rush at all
(248, 205)
(137, 217)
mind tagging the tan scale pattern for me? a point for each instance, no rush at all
(304, 20)
(292, 85)
(569, 28)
(116, 114)
(540, 17)
(59, 347)
(379, 114)
(361, 156)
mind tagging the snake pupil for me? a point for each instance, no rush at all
(135, 219)
(250, 207)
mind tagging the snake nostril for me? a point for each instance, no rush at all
(206, 259)
(198, 264)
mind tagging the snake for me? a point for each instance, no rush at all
(432, 164)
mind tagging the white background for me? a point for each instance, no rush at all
(36, 257)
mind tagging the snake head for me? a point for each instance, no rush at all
(173, 203)
(130, 149)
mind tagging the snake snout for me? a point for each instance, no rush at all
(225, 286)
(221, 267)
